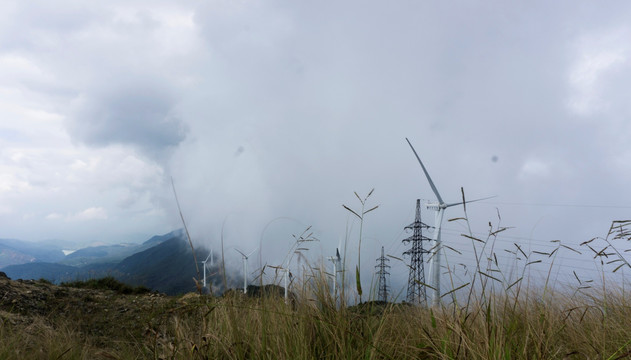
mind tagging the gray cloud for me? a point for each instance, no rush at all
(113, 71)
(323, 96)
(140, 113)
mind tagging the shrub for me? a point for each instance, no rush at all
(108, 283)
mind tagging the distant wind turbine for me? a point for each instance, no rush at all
(245, 269)
(439, 207)
(286, 272)
(336, 260)
(204, 264)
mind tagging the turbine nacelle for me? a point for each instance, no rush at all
(435, 207)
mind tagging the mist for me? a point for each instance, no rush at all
(268, 116)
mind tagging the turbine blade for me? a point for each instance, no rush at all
(469, 201)
(337, 254)
(239, 251)
(431, 183)
(211, 252)
(253, 251)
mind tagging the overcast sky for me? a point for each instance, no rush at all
(262, 110)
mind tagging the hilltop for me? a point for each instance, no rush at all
(42, 320)
(101, 315)
(100, 319)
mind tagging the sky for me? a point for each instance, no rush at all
(269, 115)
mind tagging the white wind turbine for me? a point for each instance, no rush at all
(210, 256)
(245, 269)
(286, 273)
(439, 207)
(336, 260)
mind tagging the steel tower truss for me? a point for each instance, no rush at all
(382, 292)
(416, 280)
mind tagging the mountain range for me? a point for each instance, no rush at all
(164, 263)
(13, 252)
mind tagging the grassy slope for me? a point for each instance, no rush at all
(40, 320)
(498, 320)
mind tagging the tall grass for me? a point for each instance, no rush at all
(238, 327)
(503, 326)
(495, 313)
(360, 215)
(504, 316)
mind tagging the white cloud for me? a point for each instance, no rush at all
(534, 168)
(5, 210)
(12, 183)
(54, 216)
(93, 213)
(599, 56)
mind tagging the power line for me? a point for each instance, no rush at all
(502, 237)
(468, 255)
(598, 206)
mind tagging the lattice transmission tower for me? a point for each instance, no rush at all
(382, 292)
(416, 290)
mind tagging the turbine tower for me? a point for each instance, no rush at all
(439, 207)
(245, 269)
(417, 293)
(382, 292)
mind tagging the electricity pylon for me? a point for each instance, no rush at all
(382, 292)
(416, 280)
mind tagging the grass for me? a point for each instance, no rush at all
(238, 327)
(494, 315)
(502, 316)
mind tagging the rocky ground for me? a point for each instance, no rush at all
(103, 316)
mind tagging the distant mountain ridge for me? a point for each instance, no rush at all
(13, 251)
(163, 263)
(114, 253)
(167, 267)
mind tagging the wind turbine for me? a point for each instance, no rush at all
(204, 264)
(286, 272)
(439, 207)
(336, 260)
(245, 269)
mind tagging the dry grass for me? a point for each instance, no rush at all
(497, 319)
(502, 328)
(201, 327)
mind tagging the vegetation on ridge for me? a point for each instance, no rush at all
(108, 283)
(492, 316)
(86, 324)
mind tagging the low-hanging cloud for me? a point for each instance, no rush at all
(140, 113)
